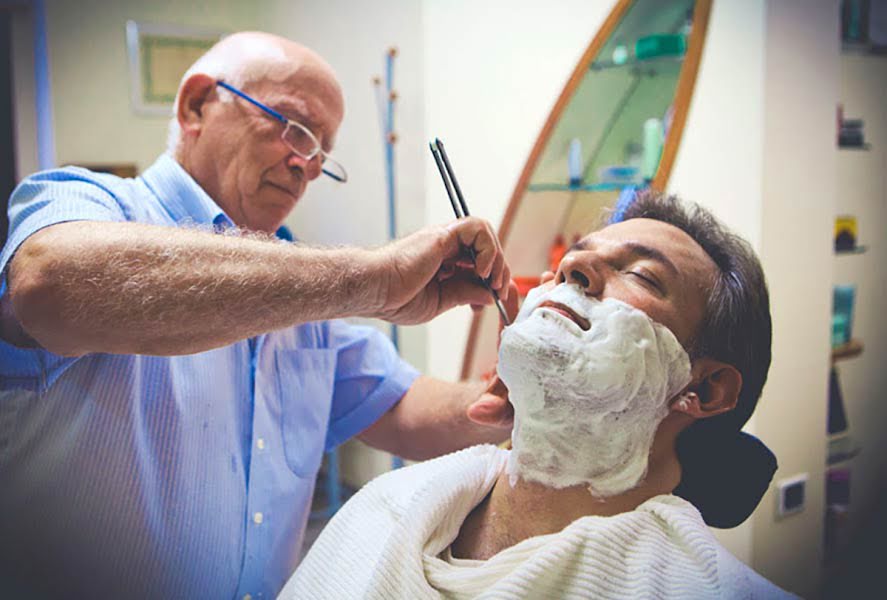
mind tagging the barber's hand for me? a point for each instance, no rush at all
(418, 277)
(493, 408)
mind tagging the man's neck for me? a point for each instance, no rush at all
(510, 514)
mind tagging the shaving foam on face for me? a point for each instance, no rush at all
(587, 403)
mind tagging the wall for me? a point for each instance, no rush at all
(862, 181)
(797, 217)
(727, 113)
(24, 93)
(94, 121)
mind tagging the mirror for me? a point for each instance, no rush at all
(616, 127)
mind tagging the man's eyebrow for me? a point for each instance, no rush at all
(644, 251)
(635, 248)
(579, 245)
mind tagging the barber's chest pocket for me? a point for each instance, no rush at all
(305, 377)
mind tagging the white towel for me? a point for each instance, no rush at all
(391, 540)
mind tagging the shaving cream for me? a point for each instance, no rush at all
(587, 403)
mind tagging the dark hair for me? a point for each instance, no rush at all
(735, 329)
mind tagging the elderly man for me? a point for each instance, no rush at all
(169, 373)
(647, 349)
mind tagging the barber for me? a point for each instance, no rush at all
(170, 374)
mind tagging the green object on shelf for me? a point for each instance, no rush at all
(661, 44)
(840, 330)
(842, 313)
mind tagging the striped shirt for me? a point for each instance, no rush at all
(175, 477)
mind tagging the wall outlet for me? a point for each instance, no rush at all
(792, 495)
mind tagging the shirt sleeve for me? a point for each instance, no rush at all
(41, 200)
(53, 197)
(370, 378)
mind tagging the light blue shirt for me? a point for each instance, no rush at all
(171, 477)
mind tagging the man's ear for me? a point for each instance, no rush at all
(194, 93)
(713, 390)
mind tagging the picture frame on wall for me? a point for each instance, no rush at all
(159, 54)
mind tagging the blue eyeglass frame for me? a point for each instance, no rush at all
(286, 121)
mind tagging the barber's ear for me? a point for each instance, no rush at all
(713, 390)
(194, 93)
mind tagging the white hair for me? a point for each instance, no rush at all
(238, 59)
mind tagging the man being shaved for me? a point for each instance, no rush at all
(630, 371)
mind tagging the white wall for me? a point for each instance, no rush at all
(24, 93)
(799, 195)
(719, 163)
(94, 121)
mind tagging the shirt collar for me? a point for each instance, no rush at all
(183, 197)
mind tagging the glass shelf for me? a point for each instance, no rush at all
(608, 109)
(857, 250)
(864, 48)
(642, 64)
(841, 448)
(851, 349)
(590, 187)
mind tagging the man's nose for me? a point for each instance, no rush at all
(311, 168)
(579, 268)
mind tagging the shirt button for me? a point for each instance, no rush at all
(257, 518)
(260, 443)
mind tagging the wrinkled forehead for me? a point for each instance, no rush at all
(307, 87)
(673, 243)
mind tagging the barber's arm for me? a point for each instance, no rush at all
(436, 417)
(83, 287)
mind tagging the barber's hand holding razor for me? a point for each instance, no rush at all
(416, 278)
(493, 408)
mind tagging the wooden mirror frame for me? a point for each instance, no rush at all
(683, 95)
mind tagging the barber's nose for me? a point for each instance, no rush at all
(311, 168)
(579, 268)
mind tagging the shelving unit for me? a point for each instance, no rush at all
(857, 250)
(851, 349)
(841, 448)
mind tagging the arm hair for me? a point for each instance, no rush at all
(142, 289)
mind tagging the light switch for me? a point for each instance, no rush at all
(792, 495)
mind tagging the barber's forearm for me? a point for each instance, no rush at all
(131, 288)
(430, 420)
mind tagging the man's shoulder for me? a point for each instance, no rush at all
(74, 173)
(74, 185)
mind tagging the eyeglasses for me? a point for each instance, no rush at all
(298, 138)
